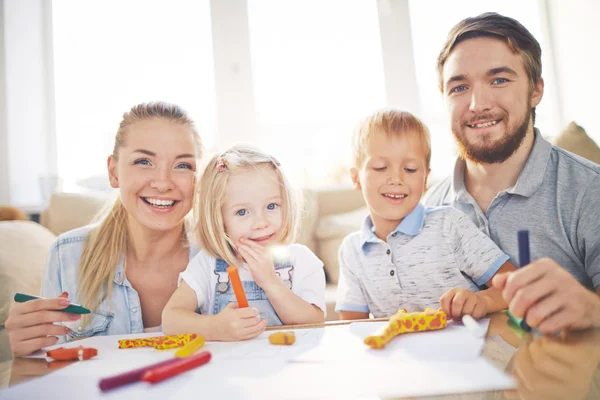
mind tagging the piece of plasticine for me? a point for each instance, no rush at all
(284, 338)
(236, 283)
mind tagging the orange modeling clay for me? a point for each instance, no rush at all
(405, 322)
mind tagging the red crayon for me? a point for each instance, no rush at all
(131, 376)
(161, 373)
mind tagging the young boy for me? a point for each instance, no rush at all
(406, 255)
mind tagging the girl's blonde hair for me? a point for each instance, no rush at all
(107, 242)
(210, 197)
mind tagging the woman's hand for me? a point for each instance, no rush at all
(31, 327)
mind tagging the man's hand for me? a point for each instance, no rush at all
(557, 368)
(549, 297)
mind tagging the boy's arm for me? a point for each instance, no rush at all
(345, 315)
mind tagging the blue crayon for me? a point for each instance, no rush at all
(524, 259)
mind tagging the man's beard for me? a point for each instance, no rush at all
(492, 152)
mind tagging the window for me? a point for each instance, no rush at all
(111, 55)
(429, 31)
(317, 69)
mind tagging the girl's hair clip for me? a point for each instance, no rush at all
(221, 165)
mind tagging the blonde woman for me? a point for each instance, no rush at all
(125, 267)
(247, 217)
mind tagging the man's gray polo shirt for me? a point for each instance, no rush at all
(556, 197)
(430, 252)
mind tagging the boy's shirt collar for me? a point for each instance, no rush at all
(411, 225)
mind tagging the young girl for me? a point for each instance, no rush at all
(247, 217)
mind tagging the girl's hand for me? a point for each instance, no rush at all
(260, 262)
(30, 325)
(235, 323)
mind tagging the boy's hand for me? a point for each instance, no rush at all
(239, 323)
(458, 302)
(260, 262)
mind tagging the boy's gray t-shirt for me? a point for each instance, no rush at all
(556, 198)
(430, 252)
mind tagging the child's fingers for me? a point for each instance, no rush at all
(247, 312)
(260, 252)
(245, 251)
(250, 322)
(252, 244)
(254, 331)
(446, 301)
(458, 304)
(469, 306)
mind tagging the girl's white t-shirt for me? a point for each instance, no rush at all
(308, 277)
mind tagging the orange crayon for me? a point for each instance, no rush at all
(236, 283)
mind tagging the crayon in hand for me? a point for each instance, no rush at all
(524, 259)
(236, 284)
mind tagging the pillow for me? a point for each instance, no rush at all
(24, 252)
(330, 234)
(574, 139)
(68, 211)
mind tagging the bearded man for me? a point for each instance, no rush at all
(508, 177)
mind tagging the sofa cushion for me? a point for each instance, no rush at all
(24, 250)
(330, 233)
(68, 211)
(574, 139)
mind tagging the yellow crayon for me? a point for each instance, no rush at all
(190, 348)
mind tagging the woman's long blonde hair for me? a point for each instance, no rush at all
(106, 243)
(210, 197)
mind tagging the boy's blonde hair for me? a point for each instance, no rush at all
(210, 197)
(393, 123)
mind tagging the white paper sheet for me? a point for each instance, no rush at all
(258, 370)
(454, 343)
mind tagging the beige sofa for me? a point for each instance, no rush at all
(328, 216)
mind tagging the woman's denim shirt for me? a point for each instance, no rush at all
(122, 315)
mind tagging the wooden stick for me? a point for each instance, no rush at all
(323, 324)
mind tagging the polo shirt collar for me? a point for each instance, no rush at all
(532, 175)
(410, 225)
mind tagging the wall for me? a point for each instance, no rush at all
(575, 32)
(26, 105)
